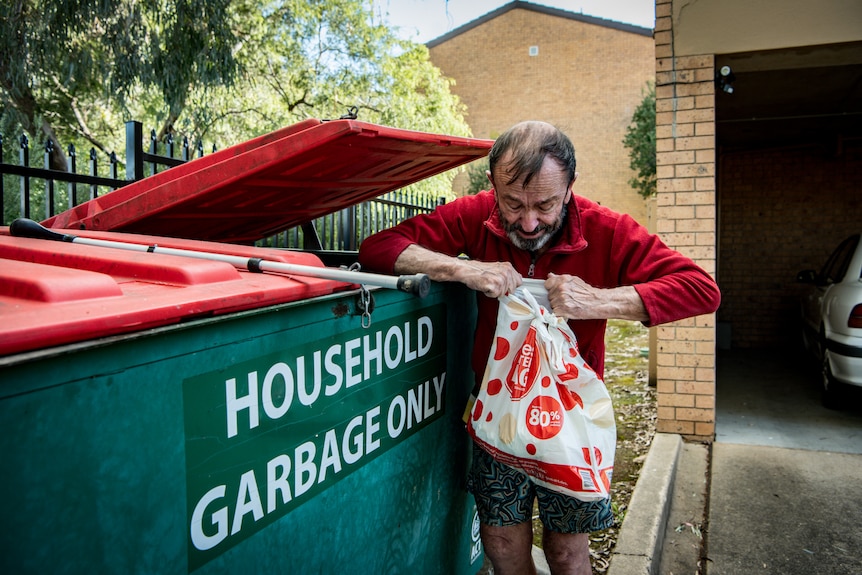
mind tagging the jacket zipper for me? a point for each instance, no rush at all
(532, 269)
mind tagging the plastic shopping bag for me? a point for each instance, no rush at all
(541, 408)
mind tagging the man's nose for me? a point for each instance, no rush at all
(529, 221)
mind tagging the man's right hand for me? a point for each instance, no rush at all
(494, 279)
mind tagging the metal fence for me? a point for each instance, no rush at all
(345, 230)
(39, 197)
(33, 192)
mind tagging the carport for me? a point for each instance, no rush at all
(759, 160)
(789, 153)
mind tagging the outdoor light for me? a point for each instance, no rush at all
(724, 79)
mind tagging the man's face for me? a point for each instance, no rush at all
(532, 215)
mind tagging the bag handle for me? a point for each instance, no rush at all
(536, 287)
(522, 297)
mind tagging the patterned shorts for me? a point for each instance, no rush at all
(504, 496)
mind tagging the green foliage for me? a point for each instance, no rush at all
(221, 71)
(477, 177)
(69, 66)
(640, 140)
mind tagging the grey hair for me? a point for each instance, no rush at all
(529, 143)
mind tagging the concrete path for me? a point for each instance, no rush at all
(778, 493)
(778, 511)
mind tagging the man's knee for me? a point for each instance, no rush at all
(509, 547)
(567, 552)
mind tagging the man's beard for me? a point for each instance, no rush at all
(537, 243)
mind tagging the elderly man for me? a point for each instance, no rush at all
(597, 265)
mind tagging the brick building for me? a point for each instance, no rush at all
(583, 74)
(759, 172)
(758, 176)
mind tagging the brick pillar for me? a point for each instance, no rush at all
(686, 221)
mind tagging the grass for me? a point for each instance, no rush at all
(627, 380)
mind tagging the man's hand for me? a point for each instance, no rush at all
(493, 279)
(573, 298)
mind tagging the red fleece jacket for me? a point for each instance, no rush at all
(606, 249)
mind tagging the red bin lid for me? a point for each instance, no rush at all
(255, 189)
(54, 293)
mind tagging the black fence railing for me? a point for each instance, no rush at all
(345, 230)
(38, 196)
(33, 192)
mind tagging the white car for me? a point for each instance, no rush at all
(832, 319)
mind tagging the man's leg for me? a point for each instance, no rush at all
(510, 548)
(567, 553)
(568, 522)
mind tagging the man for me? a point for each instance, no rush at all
(598, 265)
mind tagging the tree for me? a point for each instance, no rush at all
(64, 63)
(477, 177)
(249, 67)
(640, 140)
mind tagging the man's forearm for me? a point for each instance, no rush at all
(622, 303)
(573, 298)
(416, 259)
(491, 278)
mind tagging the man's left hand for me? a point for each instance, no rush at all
(573, 298)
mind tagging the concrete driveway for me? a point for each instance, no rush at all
(779, 492)
(786, 473)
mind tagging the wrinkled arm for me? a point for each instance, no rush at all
(643, 280)
(493, 279)
(573, 298)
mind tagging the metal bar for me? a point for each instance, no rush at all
(417, 284)
(134, 150)
(71, 188)
(94, 173)
(50, 174)
(2, 188)
(156, 160)
(24, 161)
(49, 182)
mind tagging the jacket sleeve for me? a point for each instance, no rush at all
(450, 229)
(670, 284)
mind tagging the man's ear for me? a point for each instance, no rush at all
(570, 191)
(490, 178)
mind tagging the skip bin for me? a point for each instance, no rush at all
(167, 415)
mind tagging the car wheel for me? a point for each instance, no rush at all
(831, 388)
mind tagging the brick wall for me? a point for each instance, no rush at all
(782, 211)
(587, 79)
(686, 220)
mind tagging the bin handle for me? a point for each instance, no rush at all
(416, 284)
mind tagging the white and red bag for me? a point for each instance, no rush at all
(541, 408)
